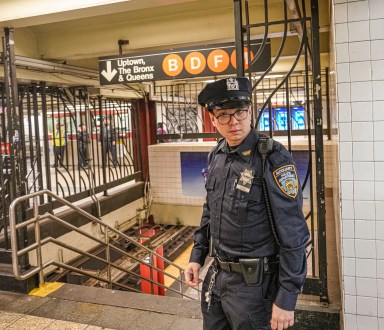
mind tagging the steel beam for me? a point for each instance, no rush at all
(319, 152)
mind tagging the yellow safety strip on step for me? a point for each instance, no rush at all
(46, 289)
(182, 261)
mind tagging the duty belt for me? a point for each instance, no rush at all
(270, 265)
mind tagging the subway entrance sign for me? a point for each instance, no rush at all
(203, 61)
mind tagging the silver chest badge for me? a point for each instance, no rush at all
(245, 181)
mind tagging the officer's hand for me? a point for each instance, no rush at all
(191, 274)
(281, 319)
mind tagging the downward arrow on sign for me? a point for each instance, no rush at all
(109, 74)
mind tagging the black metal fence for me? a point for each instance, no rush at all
(289, 103)
(73, 144)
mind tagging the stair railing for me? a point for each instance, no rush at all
(42, 264)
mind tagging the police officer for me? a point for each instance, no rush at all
(109, 142)
(259, 252)
(83, 140)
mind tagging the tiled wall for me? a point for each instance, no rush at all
(165, 172)
(359, 54)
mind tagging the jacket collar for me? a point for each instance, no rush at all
(246, 148)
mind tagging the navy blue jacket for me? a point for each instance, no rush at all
(238, 220)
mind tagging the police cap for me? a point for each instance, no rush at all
(226, 94)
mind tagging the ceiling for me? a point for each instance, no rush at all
(79, 32)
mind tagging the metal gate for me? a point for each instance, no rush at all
(290, 105)
(84, 169)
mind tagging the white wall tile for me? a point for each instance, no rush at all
(346, 171)
(358, 31)
(341, 33)
(378, 149)
(350, 304)
(347, 190)
(342, 53)
(380, 249)
(365, 248)
(362, 131)
(377, 70)
(381, 307)
(378, 110)
(379, 171)
(377, 90)
(350, 285)
(377, 49)
(341, 13)
(362, 111)
(360, 51)
(366, 268)
(380, 288)
(376, 9)
(362, 151)
(364, 210)
(381, 323)
(379, 191)
(345, 112)
(377, 29)
(348, 230)
(361, 91)
(366, 322)
(344, 92)
(347, 209)
(348, 247)
(363, 171)
(358, 11)
(359, 71)
(366, 306)
(366, 287)
(343, 73)
(364, 190)
(378, 129)
(349, 266)
(365, 229)
(379, 209)
(339, 1)
(345, 132)
(350, 321)
(380, 269)
(345, 151)
(380, 230)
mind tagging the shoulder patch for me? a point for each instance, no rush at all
(286, 179)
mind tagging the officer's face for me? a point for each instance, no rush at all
(237, 129)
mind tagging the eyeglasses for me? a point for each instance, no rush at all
(225, 118)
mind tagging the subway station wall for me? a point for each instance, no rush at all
(177, 183)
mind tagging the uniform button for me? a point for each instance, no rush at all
(220, 196)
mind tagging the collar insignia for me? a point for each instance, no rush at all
(246, 152)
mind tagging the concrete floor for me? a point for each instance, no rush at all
(77, 307)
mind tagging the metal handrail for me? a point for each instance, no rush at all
(39, 243)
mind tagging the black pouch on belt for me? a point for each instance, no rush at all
(252, 270)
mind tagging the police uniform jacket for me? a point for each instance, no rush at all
(238, 220)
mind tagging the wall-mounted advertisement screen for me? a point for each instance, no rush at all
(279, 117)
(193, 170)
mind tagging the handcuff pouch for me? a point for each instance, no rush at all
(252, 271)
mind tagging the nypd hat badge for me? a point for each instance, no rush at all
(226, 94)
